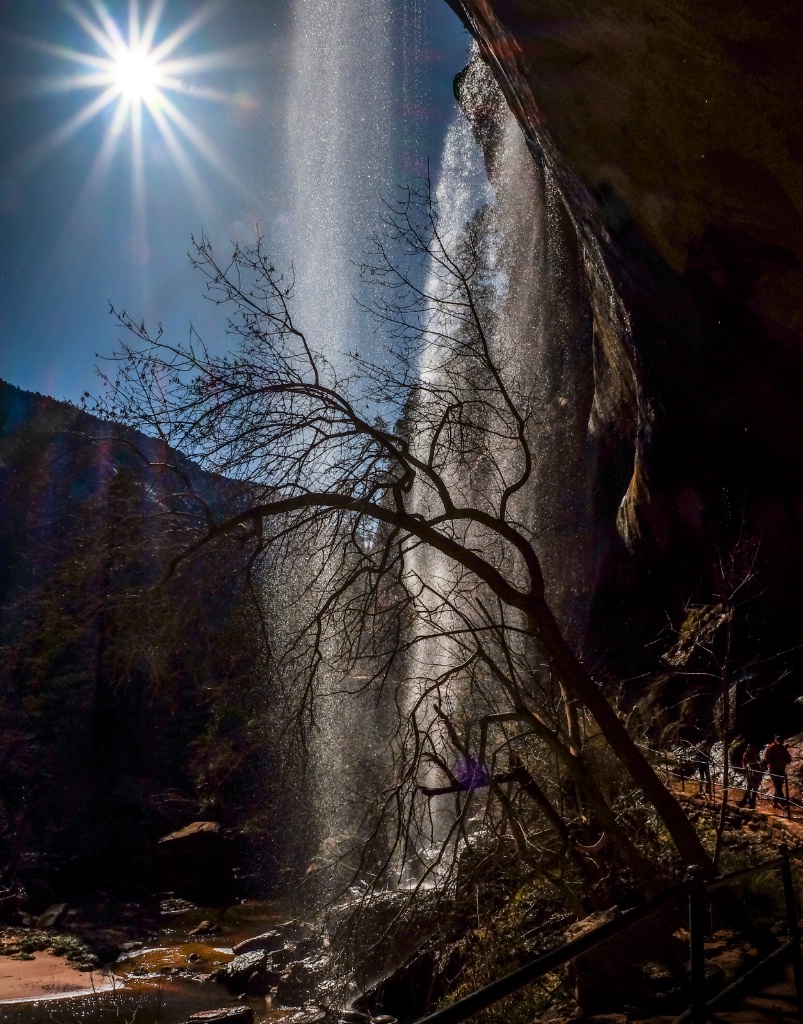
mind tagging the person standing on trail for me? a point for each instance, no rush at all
(702, 763)
(754, 773)
(776, 760)
(736, 755)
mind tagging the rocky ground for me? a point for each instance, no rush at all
(288, 968)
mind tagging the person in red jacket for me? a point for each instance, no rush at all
(776, 760)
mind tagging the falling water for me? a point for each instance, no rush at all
(350, 75)
(341, 149)
(542, 339)
(461, 188)
(542, 333)
(339, 135)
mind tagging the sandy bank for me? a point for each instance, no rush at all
(45, 977)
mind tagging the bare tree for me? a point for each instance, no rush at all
(416, 578)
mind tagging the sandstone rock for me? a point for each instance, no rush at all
(267, 940)
(195, 862)
(248, 972)
(714, 977)
(226, 1015)
(309, 1015)
(732, 962)
(658, 978)
(300, 979)
(53, 916)
(636, 966)
(409, 990)
(191, 832)
(206, 928)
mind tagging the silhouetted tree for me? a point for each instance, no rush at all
(407, 549)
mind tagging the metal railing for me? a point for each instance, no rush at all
(695, 891)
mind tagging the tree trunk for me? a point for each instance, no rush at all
(578, 681)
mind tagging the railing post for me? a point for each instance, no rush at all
(792, 924)
(699, 1013)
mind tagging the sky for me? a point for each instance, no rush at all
(126, 128)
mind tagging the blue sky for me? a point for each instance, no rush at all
(103, 211)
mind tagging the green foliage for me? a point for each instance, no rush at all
(23, 945)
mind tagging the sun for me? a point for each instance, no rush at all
(150, 79)
(136, 73)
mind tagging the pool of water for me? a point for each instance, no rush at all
(166, 979)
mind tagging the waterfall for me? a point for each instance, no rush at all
(542, 328)
(460, 189)
(339, 137)
(544, 336)
(540, 337)
(350, 76)
(342, 158)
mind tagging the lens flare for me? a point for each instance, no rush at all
(146, 76)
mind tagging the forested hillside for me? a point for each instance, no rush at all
(128, 709)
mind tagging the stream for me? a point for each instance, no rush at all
(166, 978)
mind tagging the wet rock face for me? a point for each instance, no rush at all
(248, 972)
(675, 134)
(688, 113)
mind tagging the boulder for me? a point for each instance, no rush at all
(641, 964)
(226, 1015)
(301, 979)
(53, 916)
(196, 862)
(409, 991)
(250, 973)
(292, 940)
(267, 940)
(309, 1015)
(206, 928)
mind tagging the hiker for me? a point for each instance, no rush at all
(736, 756)
(776, 760)
(754, 773)
(701, 761)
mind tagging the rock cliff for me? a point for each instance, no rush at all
(674, 134)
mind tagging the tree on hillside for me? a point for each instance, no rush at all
(118, 687)
(407, 548)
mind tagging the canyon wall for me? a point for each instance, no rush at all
(674, 135)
